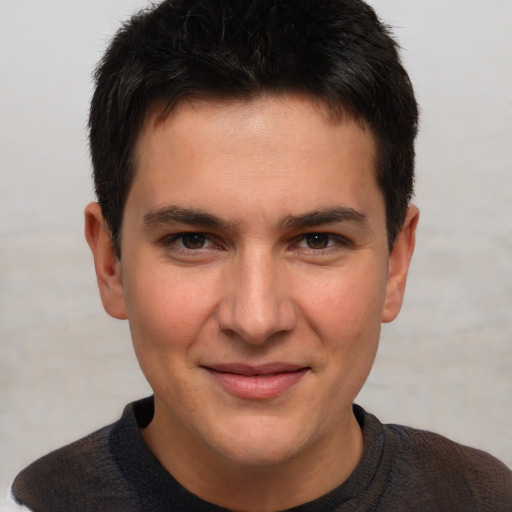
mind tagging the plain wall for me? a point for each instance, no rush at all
(66, 368)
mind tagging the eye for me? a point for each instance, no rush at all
(188, 241)
(318, 240)
(192, 240)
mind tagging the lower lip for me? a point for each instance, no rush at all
(257, 387)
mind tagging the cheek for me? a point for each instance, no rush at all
(353, 332)
(347, 305)
(167, 321)
(345, 314)
(166, 311)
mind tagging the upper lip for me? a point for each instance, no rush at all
(253, 370)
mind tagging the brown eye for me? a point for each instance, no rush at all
(193, 240)
(317, 240)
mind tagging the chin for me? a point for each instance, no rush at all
(262, 442)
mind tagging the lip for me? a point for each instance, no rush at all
(258, 382)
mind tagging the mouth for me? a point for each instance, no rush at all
(258, 382)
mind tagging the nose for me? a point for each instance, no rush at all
(256, 304)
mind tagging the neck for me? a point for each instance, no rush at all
(304, 477)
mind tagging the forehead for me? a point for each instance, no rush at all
(270, 112)
(284, 150)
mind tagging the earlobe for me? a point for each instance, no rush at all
(399, 261)
(106, 263)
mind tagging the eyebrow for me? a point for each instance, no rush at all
(195, 217)
(191, 216)
(324, 216)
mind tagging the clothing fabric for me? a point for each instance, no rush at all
(401, 469)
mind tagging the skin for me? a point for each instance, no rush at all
(284, 260)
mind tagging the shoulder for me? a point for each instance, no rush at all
(435, 465)
(55, 479)
(84, 475)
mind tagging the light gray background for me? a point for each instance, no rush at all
(445, 364)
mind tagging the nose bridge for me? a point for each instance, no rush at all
(256, 305)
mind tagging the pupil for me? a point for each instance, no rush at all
(193, 241)
(317, 241)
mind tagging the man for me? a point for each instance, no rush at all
(253, 162)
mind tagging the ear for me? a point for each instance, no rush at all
(399, 261)
(106, 263)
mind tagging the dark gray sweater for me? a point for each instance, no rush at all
(402, 469)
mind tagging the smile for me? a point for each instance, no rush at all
(256, 382)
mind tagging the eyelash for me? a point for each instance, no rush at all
(335, 242)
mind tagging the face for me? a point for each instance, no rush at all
(255, 275)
